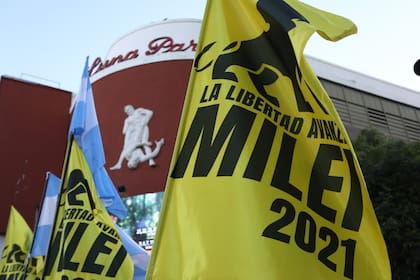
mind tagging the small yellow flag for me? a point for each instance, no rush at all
(85, 243)
(14, 263)
(264, 181)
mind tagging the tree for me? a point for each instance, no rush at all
(391, 169)
(143, 212)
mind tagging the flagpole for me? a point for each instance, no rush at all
(64, 171)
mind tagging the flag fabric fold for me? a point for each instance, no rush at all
(139, 256)
(85, 128)
(264, 182)
(15, 263)
(46, 217)
(85, 243)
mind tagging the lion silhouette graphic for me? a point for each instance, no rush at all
(272, 47)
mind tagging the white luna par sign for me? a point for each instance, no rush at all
(162, 41)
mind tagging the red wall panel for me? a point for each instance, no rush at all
(159, 87)
(33, 124)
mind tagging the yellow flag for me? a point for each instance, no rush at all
(264, 182)
(85, 243)
(13, 264)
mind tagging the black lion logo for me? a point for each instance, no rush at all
(272, 47)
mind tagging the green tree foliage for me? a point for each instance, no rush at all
(143, 212)
(391, 170)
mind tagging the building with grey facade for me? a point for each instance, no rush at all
(364, 102)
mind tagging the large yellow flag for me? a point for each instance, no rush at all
(85, 243)
(14, 262)
(264, 182)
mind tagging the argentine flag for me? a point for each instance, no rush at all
(46, 216)
(85, 128)
(139, 255)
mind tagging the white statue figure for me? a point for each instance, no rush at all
(137, 148)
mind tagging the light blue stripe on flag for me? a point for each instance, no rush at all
(85, 128)
(139, 255)
(46, 217)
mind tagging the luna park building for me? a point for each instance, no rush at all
(145, 74)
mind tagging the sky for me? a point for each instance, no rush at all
(47, 41)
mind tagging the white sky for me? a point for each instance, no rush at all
(48, 40)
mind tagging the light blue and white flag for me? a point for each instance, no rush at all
(46, 216)
(85, 128)
(139, 255)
